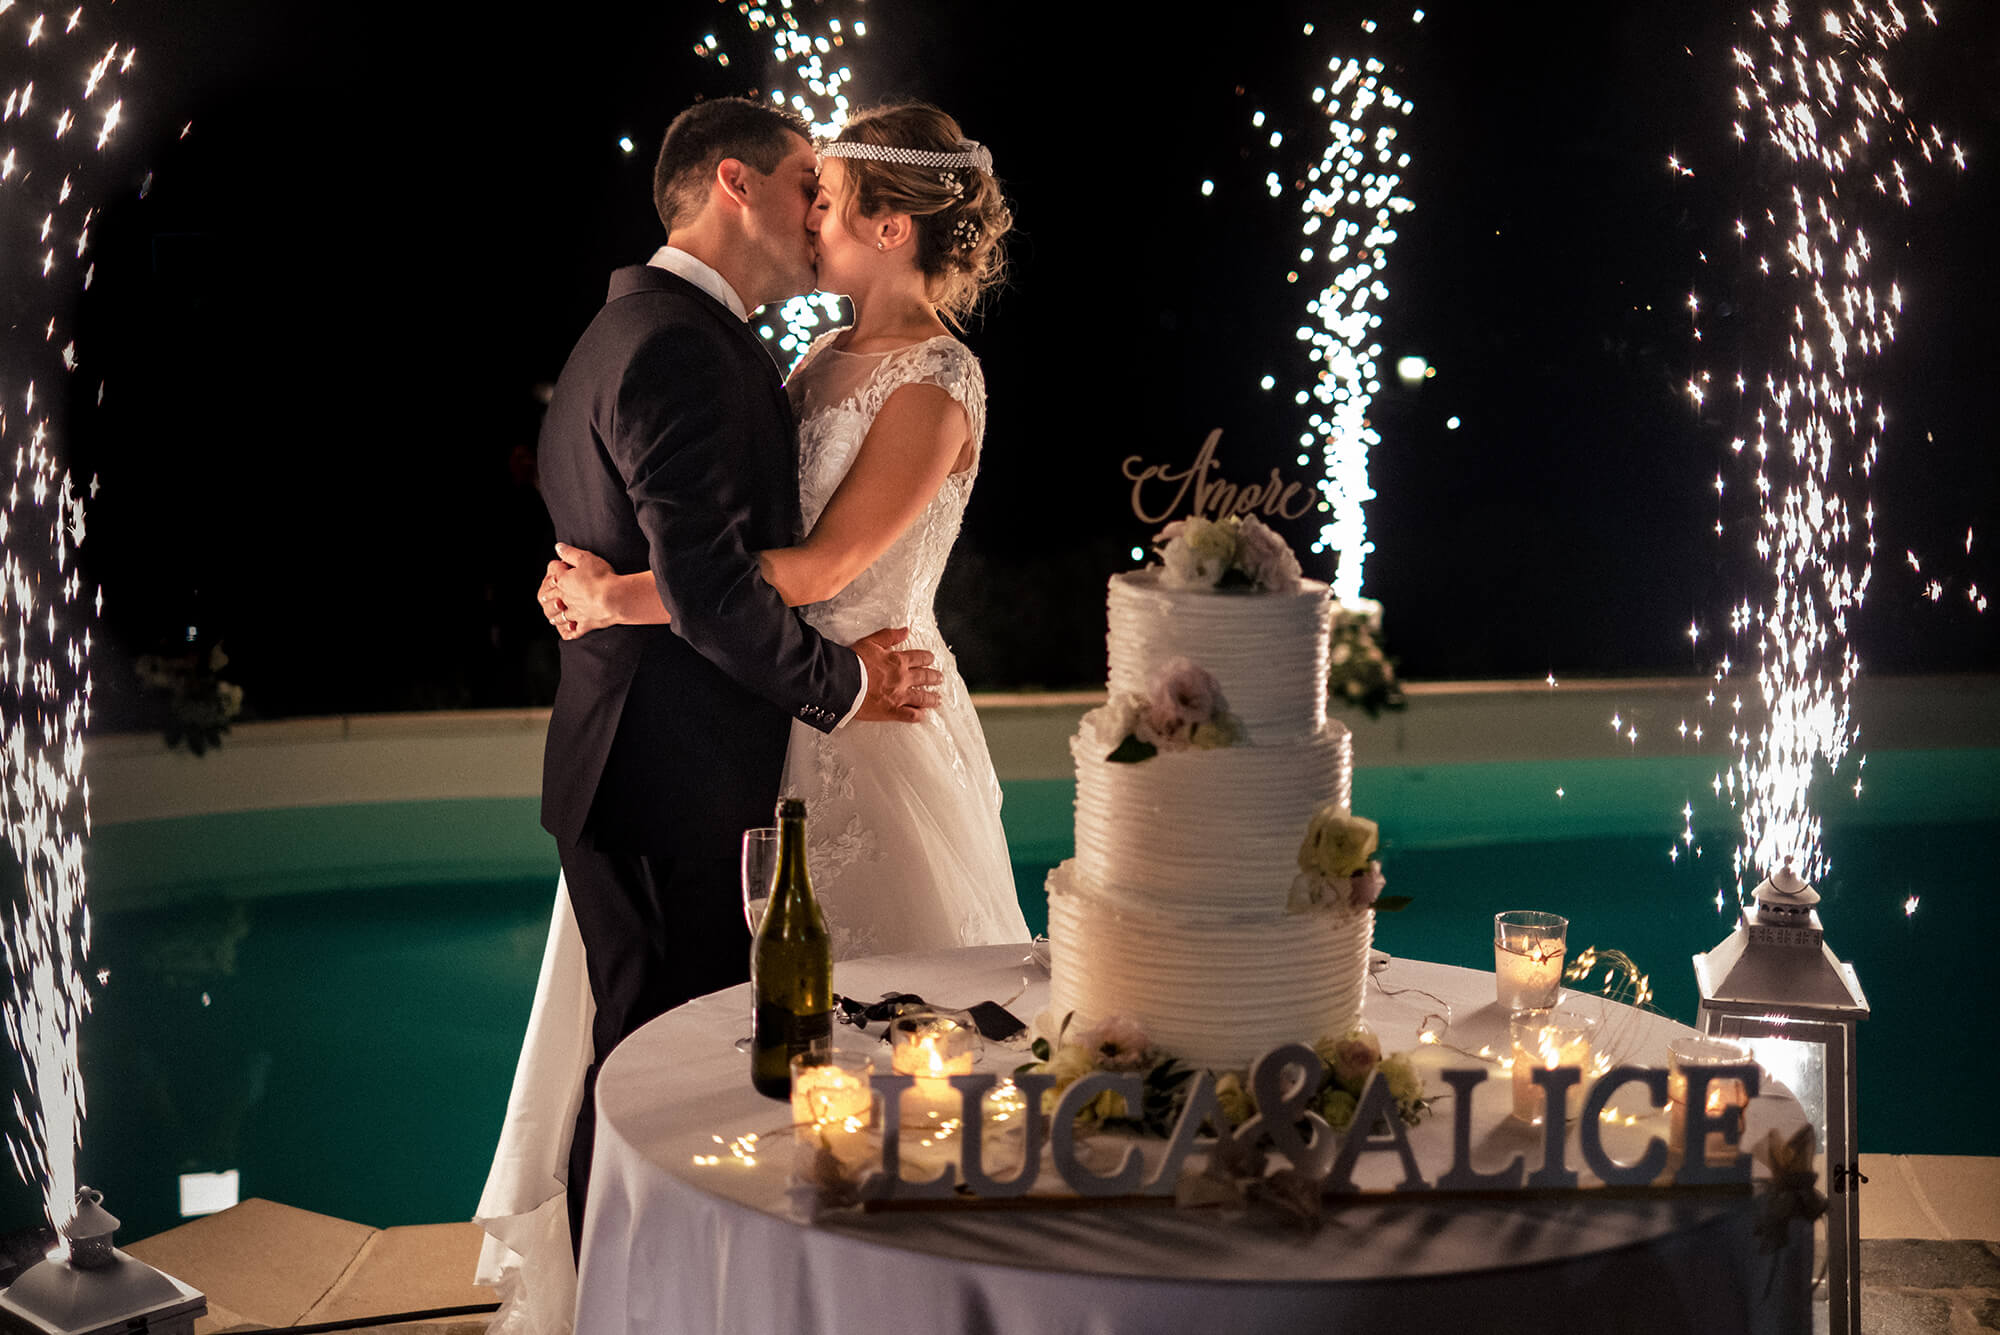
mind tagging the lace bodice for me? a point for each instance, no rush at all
(836, 395)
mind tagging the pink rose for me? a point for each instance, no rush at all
(1354, 1057)
(1119, 1045)
(1365, 886)
(1265, 558)
(1180, 697)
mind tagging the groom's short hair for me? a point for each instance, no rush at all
(706, 133)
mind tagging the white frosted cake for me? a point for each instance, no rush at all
(1174, 910)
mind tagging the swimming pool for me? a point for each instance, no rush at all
(329, 999)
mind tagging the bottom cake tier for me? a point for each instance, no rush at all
(1216, 992)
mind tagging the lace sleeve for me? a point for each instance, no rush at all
(946, 363)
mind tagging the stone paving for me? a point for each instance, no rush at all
(1918, 1286)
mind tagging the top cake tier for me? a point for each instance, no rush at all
(1268, 651)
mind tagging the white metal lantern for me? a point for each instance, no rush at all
(1776, 987)
(95, 1289)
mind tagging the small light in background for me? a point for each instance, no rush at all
(1451, 424)
(1138, 553)
(208, 1193)
(625, 143)
(1207, 188)
(1412, 370)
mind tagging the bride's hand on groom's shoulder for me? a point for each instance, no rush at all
(902, 684)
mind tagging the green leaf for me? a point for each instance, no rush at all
(1131, 751)
(1393, 903)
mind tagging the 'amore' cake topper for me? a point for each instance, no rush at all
(1212, 498)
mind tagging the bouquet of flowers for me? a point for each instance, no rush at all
(1241, 551)
(200, 704)
(1359, 673)
(1182, 708)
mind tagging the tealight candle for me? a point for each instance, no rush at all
(933, 1048)
(1528, 949)
(1693, 1051)
(832, 1103)
(1548, 1039)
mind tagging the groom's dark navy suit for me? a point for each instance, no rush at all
(669, 445)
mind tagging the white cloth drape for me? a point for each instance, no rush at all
(673, 1243)
(524, 1209)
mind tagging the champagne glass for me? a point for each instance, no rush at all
(760, 870)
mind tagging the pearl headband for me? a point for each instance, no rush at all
(971, 153)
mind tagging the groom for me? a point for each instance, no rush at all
(669, 445)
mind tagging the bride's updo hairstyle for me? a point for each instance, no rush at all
(959, 214)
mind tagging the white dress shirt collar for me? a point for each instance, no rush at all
(683, 265)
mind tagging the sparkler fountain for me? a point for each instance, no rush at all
(1350, 198)
(808, 77)
(1816, 93)
(51, 166)
(1352, 193)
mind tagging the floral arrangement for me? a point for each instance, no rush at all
(1241, 551)
(1350, 1061)
(1337, 871)
(1116, 1045)
(1182, 708)
(1360, 674)
(1120, 1045)
(200, 704)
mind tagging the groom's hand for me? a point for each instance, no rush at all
(902, 684)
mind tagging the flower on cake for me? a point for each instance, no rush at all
(1241, 551)
(1336, 866)
(1182, 708)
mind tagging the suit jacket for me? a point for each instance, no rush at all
(670, 445)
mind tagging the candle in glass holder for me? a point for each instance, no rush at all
(1548, 1039)
(1528, 950)
(1690, 1052)
(933, 1048)
(832, 1103)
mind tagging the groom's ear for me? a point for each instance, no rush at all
(732, 180)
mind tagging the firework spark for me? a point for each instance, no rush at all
(45, 613)
(809, 74)
(1352, 198)
(1815, 94)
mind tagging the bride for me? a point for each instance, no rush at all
(904, 839)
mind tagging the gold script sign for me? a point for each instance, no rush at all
(1212, 497)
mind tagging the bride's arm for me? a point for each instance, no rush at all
(920, 436)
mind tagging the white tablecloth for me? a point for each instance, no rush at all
(672, 1245)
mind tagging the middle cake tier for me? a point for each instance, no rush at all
(1205, 832)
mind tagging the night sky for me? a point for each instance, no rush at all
(321, 330)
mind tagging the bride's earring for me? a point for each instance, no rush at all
(880, 244)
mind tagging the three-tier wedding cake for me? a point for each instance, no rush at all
(1195, 785)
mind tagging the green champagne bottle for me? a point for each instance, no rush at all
(791, 966)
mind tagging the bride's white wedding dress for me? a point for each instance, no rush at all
(904, 841)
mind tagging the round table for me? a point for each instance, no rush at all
(676, 1243)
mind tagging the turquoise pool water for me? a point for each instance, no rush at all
(344, 1034)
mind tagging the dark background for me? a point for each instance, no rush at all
(321, 330)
